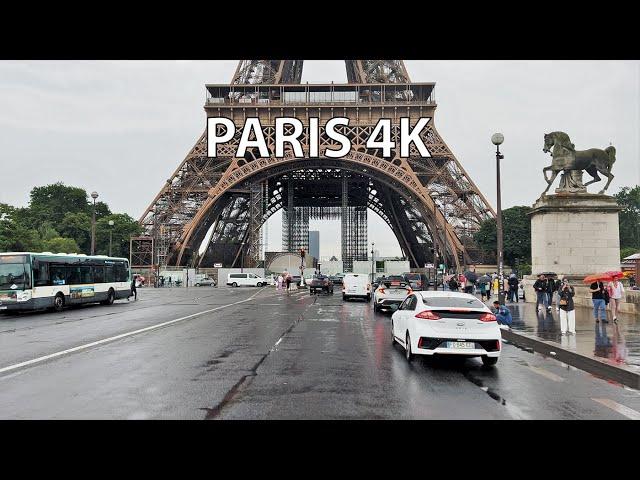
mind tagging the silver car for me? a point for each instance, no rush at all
(206, 282)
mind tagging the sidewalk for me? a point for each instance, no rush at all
(615, 345)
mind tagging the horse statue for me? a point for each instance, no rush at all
(571, 162)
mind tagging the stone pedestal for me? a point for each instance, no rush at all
(575, 234)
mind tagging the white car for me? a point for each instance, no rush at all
(389, 294)
(249, 279)
(446, 323)
(356, 285)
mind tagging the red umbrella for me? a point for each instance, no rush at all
(602, 277)
(614, 274)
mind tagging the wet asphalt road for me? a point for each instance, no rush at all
(257, 354)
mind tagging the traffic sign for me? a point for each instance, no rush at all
(428, 265)
(217, 265)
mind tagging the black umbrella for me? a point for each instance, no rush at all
(471, 276)
(485, 278)
(549, 274)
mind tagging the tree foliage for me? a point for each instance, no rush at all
(629, 218)
(58, 219)
(516, 234)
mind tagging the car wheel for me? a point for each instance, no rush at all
(197, 284)
(58, 302)
(234, 284)
(407, 347)
(259, 284)
(489, 361)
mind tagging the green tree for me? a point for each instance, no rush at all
(626, 251)
(61, 245)
(629, 218)
(52, 202)
(516, 234)
(78, 227)
(124, 227)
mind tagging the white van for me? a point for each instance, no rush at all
(356, 285)
(250, 279)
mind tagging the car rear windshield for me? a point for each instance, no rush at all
(452, 302)
(413, 276)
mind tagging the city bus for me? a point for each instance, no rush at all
(37, 281)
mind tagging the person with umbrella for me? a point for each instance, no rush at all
(483, 285)
(470, 280)
(616, 294)
(597, 297)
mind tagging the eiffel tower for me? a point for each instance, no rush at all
(430, 203)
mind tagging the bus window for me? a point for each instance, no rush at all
(73, 275)
(41, 274)
(121, 273)
(86, 275)
(109, 275)
(98, 274)
(57, 274)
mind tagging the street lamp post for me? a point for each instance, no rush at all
(497, 139)
(94, 195)
(242, 257)
(373, 264)
(111, 224)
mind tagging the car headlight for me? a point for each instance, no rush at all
(23, 296)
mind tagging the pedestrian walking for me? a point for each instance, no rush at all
(482, 285)
(288, 282)
(567, 309)
(134, 289)
(632, 281)
(453, 284)
(597, 298)
(279, 282)
(170, 282)
(616, 294)
(468, 285)
(496, 286)
(540, 286)
(513, 288)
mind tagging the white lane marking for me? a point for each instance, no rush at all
(546, 373)
(617, 407)
(117, 337)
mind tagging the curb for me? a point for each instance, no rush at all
(620, 374)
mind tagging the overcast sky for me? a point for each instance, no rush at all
(121, 128)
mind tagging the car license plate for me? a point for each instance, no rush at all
(463, 345)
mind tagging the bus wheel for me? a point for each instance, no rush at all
(111, 296)
(58, 302)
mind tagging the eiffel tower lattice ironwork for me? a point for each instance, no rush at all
(430, 203)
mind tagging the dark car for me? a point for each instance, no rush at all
(417, 281)
(337, 279)
(320, 283)
(297, 279)
(394, 280)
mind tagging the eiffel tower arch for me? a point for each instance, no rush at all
(430, 203)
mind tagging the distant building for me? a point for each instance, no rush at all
(314, 244)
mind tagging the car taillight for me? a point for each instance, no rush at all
(381, 290)
(488, 317)
(409, 291)
(428, 315)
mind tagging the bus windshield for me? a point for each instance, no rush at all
(14, 276)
